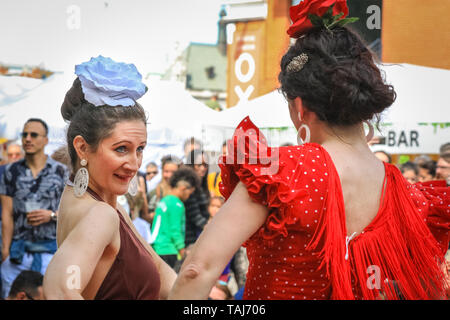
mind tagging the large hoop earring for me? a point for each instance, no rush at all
(81, 180)
(133, 186)
(371, 133)
(300, 141)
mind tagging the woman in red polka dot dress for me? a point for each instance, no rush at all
(325, 219)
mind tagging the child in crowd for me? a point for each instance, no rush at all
(220, 291)
(410, 171)
(427, 171)
(135, 205)
(214, 205)
(169, 223)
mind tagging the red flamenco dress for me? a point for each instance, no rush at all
(303, 252)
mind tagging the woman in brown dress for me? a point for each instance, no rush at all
(100, 254)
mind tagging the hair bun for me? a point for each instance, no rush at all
(340, 82)
(73, 100)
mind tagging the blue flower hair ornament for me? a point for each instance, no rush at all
(106, 82)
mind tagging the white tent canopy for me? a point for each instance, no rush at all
(173, 114)
(422, 94)
(267, 111)
(14, 88)
(170, 106)
(421, 97)
(43, 101)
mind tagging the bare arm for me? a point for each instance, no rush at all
(168, 277)
(7, 224)
(238, 219)
(72, 266)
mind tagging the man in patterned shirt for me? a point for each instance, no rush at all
(30, 190)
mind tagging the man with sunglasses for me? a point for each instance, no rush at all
(30, 190)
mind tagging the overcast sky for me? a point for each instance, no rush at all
(62, 33)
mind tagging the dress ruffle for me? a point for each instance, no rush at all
(260, 169)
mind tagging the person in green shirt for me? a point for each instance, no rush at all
(168, 227)
(213, 103)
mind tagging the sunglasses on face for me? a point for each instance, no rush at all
(152, 172)
(34, 135)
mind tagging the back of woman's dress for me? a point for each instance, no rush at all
(303, 251)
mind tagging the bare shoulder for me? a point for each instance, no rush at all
(86, 217)
(102, 213)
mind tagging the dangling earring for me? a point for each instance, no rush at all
(81, 180)
(371, 131)
(300, 141)
(133, 186)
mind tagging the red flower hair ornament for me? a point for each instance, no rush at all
(318, 13)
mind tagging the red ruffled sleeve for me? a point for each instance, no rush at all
(438, 214)
(265, 173)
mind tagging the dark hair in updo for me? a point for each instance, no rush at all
(93, 123)
(340, 82)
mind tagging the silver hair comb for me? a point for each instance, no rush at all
(297, 63)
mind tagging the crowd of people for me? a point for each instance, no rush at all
(170, 217)
(423, 168)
